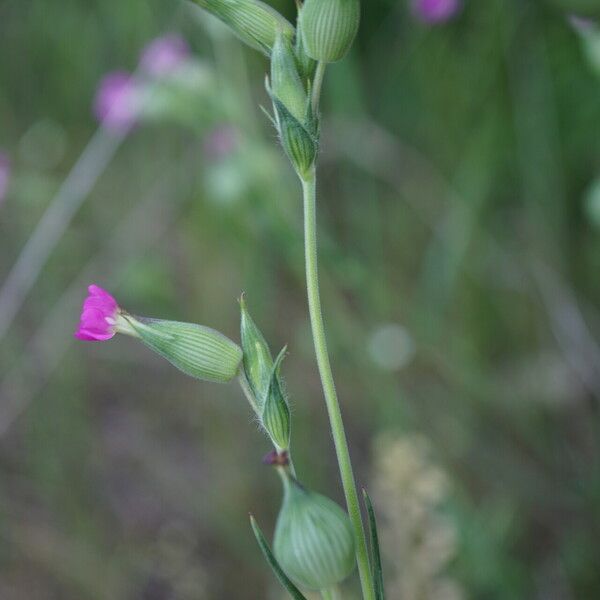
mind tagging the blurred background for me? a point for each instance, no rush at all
(459, 220)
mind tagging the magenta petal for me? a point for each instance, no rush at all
(98, 316)
(88, 336)
(436, 11)
(116, 101)
(164, 54)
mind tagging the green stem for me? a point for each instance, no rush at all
(317, 84)
(247, 391)
(331, 400)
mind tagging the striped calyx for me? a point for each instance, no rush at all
(253, 21)
(275, 417)
(328, 27)
(198, 351)
(313, 538)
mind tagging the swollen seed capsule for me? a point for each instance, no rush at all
(329, 27)
(313, 538)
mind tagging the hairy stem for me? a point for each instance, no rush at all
(331, 400)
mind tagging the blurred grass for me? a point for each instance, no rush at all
(455, 162)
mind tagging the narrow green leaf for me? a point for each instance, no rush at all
(283, 578)
(375, 553)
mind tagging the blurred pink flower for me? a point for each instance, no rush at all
(116, 101)
(220, 142)
(164, 54)
(436, 11)
(4, 175)
(98, 316)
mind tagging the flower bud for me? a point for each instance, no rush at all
(258, 363)
(329, 27)
(299, 143)
(286, 84)
(293, 117)
(275, 417)
(253, 21)
(313, 538)
(196, 350)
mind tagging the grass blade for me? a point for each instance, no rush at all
(266, 550)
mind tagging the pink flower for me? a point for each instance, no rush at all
(4, 175)
(99, 316)
(116, 102)
(436, 11)
(164, 54)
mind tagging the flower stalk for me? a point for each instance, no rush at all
(331, 400)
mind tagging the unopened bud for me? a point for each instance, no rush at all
(297, 139)
(313, 538)
(329, 27)
(275, 417)
(258, 363)
(286, 84)
(253, 21)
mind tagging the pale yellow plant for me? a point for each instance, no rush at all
(410, 490)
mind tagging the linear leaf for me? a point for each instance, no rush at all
(266, 550)
(375, 553)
